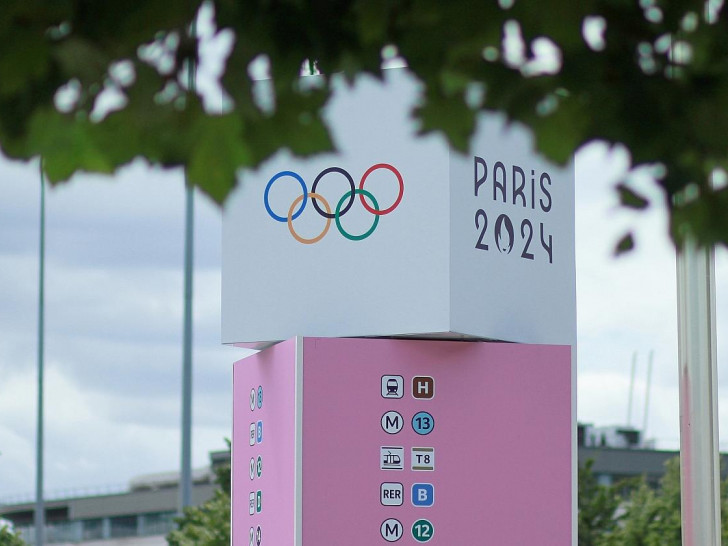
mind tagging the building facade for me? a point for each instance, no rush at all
(141, 515)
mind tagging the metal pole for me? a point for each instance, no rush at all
(631, 389)
(185, 498)
(39, 516)
(185, 489)
(699, 461)
(647, 395)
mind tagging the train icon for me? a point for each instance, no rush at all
(392, 386)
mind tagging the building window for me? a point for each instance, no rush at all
(93, 529)
(123, 526)
(159, 523)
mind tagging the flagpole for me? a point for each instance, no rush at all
(185, 490)
(39, 516)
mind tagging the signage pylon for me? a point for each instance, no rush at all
(370, 441)
(380, 283)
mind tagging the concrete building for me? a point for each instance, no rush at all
(620, 452)
(141, 515)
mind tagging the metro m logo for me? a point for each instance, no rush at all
(391, 530)
(392, 422)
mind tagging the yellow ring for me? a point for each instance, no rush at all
(321, 235)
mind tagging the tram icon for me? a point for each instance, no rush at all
(392, 386)
(391, 458)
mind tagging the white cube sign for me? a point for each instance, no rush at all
(397, 235)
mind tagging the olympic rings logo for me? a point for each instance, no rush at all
(342, 207)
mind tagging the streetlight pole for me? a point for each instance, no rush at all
(39, 517)
(185, 489)
(186, 462)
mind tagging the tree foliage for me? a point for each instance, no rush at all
(209, 523)
(9, 538)
(92, 85)
(650, 517)
(642, 516)
(597, 505)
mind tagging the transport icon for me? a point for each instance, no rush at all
(392, 386)
(391, 458)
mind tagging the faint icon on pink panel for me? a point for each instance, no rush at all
(252, 434)
(252, 503)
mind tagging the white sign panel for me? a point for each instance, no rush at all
(398, 236)
(512, 241)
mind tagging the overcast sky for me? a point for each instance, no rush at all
(114, 272)
(113, 328)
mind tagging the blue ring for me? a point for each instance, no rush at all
(303, 202)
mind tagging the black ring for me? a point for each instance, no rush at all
(351, 199)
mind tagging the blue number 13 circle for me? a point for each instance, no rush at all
(423, 423)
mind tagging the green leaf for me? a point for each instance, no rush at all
(631, 199)
(66, 144)
(296, 125)
(372, 20)
(625, 244)
(448, 115)
(24, 58)
(560, 133)
(219, 151)
(703, 218)
(80, 58)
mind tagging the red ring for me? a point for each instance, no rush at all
(401, 188)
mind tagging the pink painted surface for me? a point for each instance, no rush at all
(274, 370)
(502, 440)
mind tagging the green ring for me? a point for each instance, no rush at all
(338, 210)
